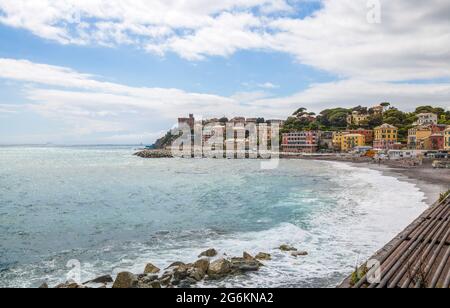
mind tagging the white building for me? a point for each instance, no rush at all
(427, 119)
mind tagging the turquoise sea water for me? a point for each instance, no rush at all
(113, 211)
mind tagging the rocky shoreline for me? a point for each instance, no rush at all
(209, 266)
(154, 154)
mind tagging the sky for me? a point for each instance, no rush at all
(123, 71)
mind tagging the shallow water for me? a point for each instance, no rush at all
(113, 211)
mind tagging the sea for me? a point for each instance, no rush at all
(82, 212)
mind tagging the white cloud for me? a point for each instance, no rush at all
(411, 42)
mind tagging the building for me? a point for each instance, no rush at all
(447, 139)
(189, 121)
(351, 141)
(434, 143)
(377, 110)
(367, 133)
(300, 142)
(427, 119)
(417, 136)
(326, 140)
(405, 154)
(386, 137)
(274, 121)
(356, 118)
(337, 140)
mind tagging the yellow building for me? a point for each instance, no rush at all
(447, 139)
(417, 135)
(351, 141)
(386, 136)
(338, 137)
(357, 118)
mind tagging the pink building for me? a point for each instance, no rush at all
(300, 142)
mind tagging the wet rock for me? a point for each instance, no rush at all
(244, 265)
(219, 268)
(248, 256)
(151, 269)
(184, 285)
(100, 280)
(263, 256)
(175, 264)
(165, 280)
(181, 272)
(287, 248)
(125, 280)
(299, 253)
(196, 274)
(210, 253)
(202, 264)
(44, 286)
(69, 285)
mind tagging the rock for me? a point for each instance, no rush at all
(197, 274)
(263, 256)
(44, 286)
(103, 280)
(181, 272)
(165, 280)
(151, 269)
(210, 253)
(244, 265)
(219, 268)
(248, 256)
(202, 264)
(299, 253)
(175, 264)
(125, 280)
(69, 285)
(287, 248)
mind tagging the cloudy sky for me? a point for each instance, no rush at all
(122, 71)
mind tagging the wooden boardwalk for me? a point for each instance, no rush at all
(418, 258)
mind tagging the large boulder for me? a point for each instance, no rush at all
(263, 256)
(244, 265)
(210, 253)
(151, 269)
(125, 280)
(202, 264)
(219, 268)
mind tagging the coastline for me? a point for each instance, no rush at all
(432, 182)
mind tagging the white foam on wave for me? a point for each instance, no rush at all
(369, 209)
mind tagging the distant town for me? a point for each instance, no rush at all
(376, 132)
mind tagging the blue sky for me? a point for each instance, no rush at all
(107, 76)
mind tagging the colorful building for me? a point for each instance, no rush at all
(351, 141)
(386, 137)
(367, 133)
(447, 139)
(357, 118)
(300, 142)
(434, 143)
(337, 140)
